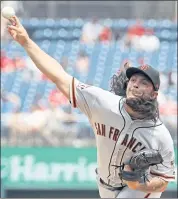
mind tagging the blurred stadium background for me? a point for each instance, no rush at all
(48, 148)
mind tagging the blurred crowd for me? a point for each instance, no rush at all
(52, 121)
(136, 36)
(49, 121)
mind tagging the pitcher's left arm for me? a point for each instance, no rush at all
(156, 184)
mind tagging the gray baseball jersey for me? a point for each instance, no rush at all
(118, 137)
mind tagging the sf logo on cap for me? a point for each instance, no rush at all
(144, 67)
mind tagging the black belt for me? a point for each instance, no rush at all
(111, 187)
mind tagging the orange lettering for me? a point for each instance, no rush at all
(99, 130)
(138, 144)
(111, 131)
(103, 127)
(143, 148)
(125, 140)
(131, 143)
(116, 134)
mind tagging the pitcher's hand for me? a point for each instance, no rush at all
(17, 31)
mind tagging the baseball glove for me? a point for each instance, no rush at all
(119, 81)
(140, 163)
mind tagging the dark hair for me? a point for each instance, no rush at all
(118, 84)
(146, 107)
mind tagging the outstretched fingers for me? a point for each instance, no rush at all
(17, 21)
(12, 33)
(12, 21)
(11, 27)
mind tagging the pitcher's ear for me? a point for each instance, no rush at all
(154, 94)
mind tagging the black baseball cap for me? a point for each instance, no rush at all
(148, 71)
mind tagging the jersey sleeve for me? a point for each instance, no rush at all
(84, 96)
(166, 170)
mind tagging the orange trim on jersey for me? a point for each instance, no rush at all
(73, 93)
(162, 175)
(147, 195)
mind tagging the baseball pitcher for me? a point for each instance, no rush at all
(135, 152)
